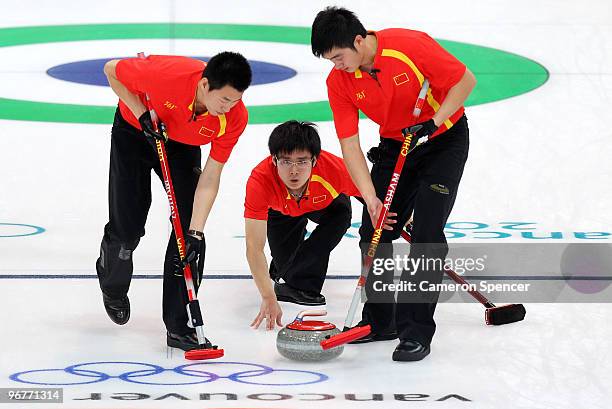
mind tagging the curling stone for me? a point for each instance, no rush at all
(300, 340)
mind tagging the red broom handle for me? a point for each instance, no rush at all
(397, 171)
(457, 278)
(399, 164)
(174, 213)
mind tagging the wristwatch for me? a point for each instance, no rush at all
(195, 233)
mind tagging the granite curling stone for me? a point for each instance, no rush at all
(300, 340)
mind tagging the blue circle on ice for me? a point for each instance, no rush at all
(91, 72)
(19, 230)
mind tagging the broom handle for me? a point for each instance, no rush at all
(458, 279)
(382, 216)
(176, 222)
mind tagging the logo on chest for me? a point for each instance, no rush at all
(360, 95)
(169, 105)
(401, 79)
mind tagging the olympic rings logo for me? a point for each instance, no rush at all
(189, 374)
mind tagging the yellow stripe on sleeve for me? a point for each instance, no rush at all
(222, 125)
(326, 185)
(387, 52)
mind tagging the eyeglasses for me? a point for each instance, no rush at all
(287, 164)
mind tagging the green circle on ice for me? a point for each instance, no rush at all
(500, 74)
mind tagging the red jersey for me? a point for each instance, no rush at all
(265, 189)
(171, 83)
(404, 58)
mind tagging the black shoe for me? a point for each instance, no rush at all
(186, 342)
(409, 350)
(373, 336)
(289, 294)
(118, 309)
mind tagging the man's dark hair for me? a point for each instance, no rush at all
(228, 68)
(292, 136)
(335, 27)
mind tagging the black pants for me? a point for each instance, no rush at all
(428, 186)
(303, 263)
(129, 199)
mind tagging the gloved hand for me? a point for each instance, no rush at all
(422, 132)
(146, 123)
(193, 248)
(374, 154)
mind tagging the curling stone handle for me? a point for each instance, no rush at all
(310, 313)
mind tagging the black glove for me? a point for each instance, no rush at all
(422, 132)
(146, 123)
(193, 248)
(374, 154)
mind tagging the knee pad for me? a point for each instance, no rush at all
(125, 254)
(126, 249)
(123, 251)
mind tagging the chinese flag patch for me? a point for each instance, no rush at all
(319, 199)
(206, 132)
(401, 79)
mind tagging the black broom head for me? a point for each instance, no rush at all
(505, 314)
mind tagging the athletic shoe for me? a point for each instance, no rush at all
(186, 342)
(409, 350)
(286, 293)
(118, 309)
(373, 336)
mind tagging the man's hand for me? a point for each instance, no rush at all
(421, 132)
(374, 206)
(271, 311)
(193, 249)
(146, 123)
